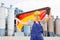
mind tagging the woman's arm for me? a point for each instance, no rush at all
(24, 23)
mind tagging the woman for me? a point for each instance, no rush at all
(37, 29)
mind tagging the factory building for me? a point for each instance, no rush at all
(8, 24)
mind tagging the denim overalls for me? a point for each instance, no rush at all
(37, 32)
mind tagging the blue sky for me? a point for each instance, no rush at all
(28, 5)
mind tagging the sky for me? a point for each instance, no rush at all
(28, 5)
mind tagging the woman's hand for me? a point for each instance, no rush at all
(24, 23)
(46, 19)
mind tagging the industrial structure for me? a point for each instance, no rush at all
(8, 25)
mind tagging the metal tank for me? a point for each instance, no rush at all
(16, 12)
(10, 21)
(45, 29)
(57, 22)
(44, 26)
(51, 26)
(3, 15)
(27, 30)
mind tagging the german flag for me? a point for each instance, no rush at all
(26, 16)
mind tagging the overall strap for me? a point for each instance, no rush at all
(38, 22)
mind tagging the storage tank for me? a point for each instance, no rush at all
(10, 21)
(3, 15)
(44, 26)
(27, 30)
(16, 12)
(57, 26)
(51, 26)
(45, 29)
